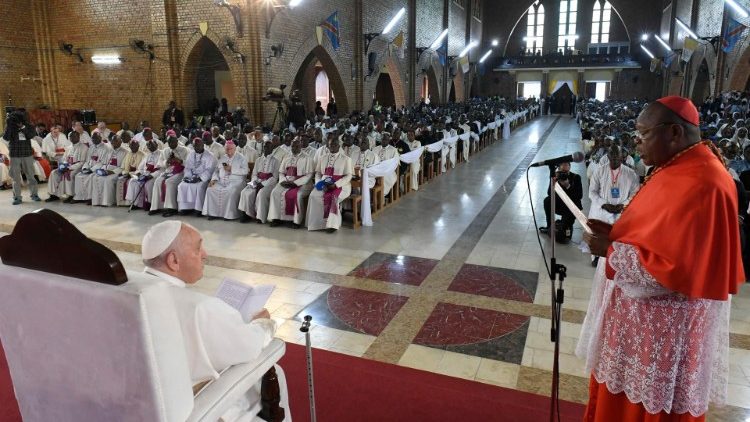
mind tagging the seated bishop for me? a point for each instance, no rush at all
(386, 151)
(256, 196)
(164, 193)
(62, 180)
(199, 167)
(96, 158)
(129, 166)
(223, 193)
(289, 197)
(333, 177)
(104, 183)
(142, 181)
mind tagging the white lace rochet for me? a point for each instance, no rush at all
(660, 348)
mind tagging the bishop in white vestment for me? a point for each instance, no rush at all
(256, 197)
(104, 183)
(164, 194)
(61, 181)
(199, 168)
(386, 151)
(333, 177)
(142, 181)
(223, 191)
(289, 197)
(54, 144)
(129, 166)
(96, 158)
(416, 166)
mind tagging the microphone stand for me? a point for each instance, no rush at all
(558, 296)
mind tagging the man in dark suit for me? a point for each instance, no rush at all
(173, 115)
(571, 184)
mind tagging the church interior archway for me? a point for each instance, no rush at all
(452, 95)
(384, 93)
(702, 87)
(318, 79)
(207, 78)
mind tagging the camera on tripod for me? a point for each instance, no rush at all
(275, 94)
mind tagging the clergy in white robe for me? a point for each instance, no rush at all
(83, 136)
(62, 180)
(386, 151)
(216, 149)
(199, 167)
(364, 158)
(223, 193)
(104, 183)
(5, 180)
(164, 193)
(96, 158)
(247, 150)
(54, 144)
(333, 177)
(280, 152)
(216, 335)
(129, 166)
(255, 198)
(611, 187)
(289, 196)
(142, 181)
(41, 166)
(416, 166)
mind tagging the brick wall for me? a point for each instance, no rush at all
(140, 89)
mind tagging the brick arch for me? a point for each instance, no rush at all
(433, 82)
(304, 79)
(740, 73)
(397, 80)
(627, 22)
(707, 55)
(458, 83)
(188, 62)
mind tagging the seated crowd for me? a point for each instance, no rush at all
(222, 170)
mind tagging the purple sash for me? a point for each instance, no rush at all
(290, 196)
(330, 197)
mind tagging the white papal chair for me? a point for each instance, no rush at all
(80, 350)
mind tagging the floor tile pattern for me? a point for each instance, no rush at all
(395, 268)
(495, 282)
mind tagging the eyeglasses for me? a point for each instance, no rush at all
(640, 134)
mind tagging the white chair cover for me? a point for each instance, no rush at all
(378, 170)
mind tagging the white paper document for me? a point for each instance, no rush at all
(580, 216)
(247, 299)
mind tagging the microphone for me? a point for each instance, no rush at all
(575, 157)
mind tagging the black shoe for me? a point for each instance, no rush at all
(52, 198)
(245, 218)
(185, 212)
(544, 230)
(212, 218)
(88, 202)
(154, 212)
(296, 226)
(329, 231)
(68, 200)
(275, 223)
(595, 261)
(169, 213)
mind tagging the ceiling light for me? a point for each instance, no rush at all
(394, 21)
(644, 37)
(487, 54)
(467, 48)
(105, 59)
(649, 53)
(495, 42)
(663, 43)
(439, 40)
(737, 8)
(686, 28)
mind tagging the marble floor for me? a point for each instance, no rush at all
(449, 279)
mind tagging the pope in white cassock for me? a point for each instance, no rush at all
(96, 158)
(61, 180)
(142, 181)
(5, 180)
(216, 335)
(611, 187)
(164, 193)
(104, 182)
(224, 189)
(289, 197)
(199, 168)
(256, 197)
(386, 151)
(324, 206)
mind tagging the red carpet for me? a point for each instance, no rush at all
(355, 389)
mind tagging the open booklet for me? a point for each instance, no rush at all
(247, 299)
(580, 216)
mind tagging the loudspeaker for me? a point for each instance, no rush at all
(372, 61)
(89, 117)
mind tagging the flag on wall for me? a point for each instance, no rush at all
(331, 28)
(668, 59)
(688, 48)
(398, 43)
(731, 35)
(464, 62)
(655, 64)
(442, 54)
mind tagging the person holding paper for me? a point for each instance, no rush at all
(216, 335)
(571, 184)
(656, 334)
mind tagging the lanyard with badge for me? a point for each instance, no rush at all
(615, 191)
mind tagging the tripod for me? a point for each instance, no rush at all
(280, 115)
(558, 297)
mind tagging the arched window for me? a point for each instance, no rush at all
(535, 28)
(600, 22)
(566, 35)
(322, 87)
